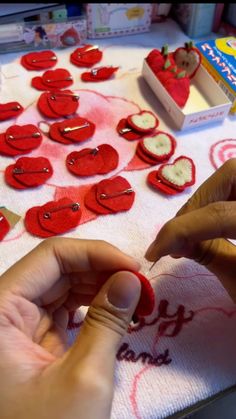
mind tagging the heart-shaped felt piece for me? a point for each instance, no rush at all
(144, 156)
(72, 130)
(39, 60)
(146, 302)
(115, 194)
(28, 172)
(86, 56)
(53, 79)
(144, 121)
(90, 201)
(179, 174)
(159, 146)
(44, 108)
(154, 181)
(7, 150)
(32, 223)
(23, 137)
(63, 102)
(4, 226)
(99, 74)
(126, 131)
(10, 110)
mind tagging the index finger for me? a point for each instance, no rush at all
(39, 270)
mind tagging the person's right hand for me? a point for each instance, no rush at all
(202, 227)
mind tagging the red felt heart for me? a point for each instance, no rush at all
(76, 129)
(157, 183)
(6, 150)
(63, 103)
(39, 60)
(144, 121)
(37, 83)
(32, 223)
(110, 158)
(146, 302)
(99, 74)
(147, 158)
(55, 134)
(44, 108)
(4, 226)
(10, 110)
(115, 194)
(82, 57)
(178, 89)
(85, 162)
(90, 201)
(159, 146)
(129, 133)
(23, 137)
(60, 216)
(179, 174)
(59, 78)
(29, 172)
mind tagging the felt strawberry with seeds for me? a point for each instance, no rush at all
(39, 60)
(178, 88)
(157, 148)
(86, 56)
(73, 130)
(144, 121)
(99, 74)
(4, 226)
(10, 110)
(56, 104)
(126, 131)
(188, 58)
(53, 79)
(28, 172)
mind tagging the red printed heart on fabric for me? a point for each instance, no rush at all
(39, 60)
(23, 137)
(4, 226)
(90, 201)
(179, 174)
(99, 74)
(10, 110)
(144, 121)
(63, 102)
(86, 56)
(154, 181)
(126, 131)
(146, 302)
(32, 223)
(28, 172)
(53, 79)
(159, 146)
(73, 130)
(115, 194)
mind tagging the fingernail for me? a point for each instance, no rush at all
(151, 253)
(124, 290)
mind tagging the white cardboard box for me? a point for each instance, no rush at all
(207, 102)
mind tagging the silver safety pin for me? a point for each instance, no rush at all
(69, 129)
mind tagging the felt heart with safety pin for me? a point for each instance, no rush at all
(144, 121)
(86, 56)
(157, 148)
(126, 131)
(72, 130)
(28, 172)
(52, 218)
(4, 226)
(99, 74)
(20, 140)
(39, 60)
(53, 79)
(58, 103)
(10, 110)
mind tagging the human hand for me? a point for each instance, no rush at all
(40, 377)
(201, 228)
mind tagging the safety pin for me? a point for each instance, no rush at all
(54, 95)
(34, 135)
(55, 81)
(20, 171)
(94, 151)
(15, 108)
(95, 70)
(124, 130)
(54, 58)
(75, 207)
(93, 48)
(69, 129)
(125, 192)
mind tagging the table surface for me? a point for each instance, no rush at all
(191, 304)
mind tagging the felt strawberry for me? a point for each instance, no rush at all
(126, 131)
(28, 172)
(158, 60)
(72, 130)
(144, 121)
(179, 174)
(147, 297)
(86, 56)
(159, 146)
(99, 74)
(4, 226)
(39, 60)
(188, 58)
(178, 88)
(53, 79)
(10, 110)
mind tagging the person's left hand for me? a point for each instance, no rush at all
(40, 377)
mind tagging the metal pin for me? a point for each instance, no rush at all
(75, 207)
(69, 129)
(93, 48)
(54, 58)
(15, 108)
(94, 151)
(74, 97)
(20, 171)
(125, 192)
(94, 71)
(55, 81)
(124, 130)
(34, 135)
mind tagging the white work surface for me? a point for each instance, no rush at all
(198, 316)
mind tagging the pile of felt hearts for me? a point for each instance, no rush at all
(28, 172)
(56, 104)
(93, 161)
(52, 218)
(53, 79)
(86, 56)
(71, 131)
(20, 139)
(39, 60)
(4, 226)
(173, 178)
(10, 110)
(156, 148)
(137, 125)
(110, 196)
(175, 70)
(99, 74)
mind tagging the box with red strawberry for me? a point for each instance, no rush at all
(184, 87)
